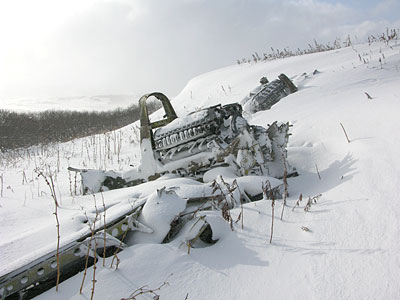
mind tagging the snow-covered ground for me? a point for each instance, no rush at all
(351, 249)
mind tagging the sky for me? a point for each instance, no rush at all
(57, 48)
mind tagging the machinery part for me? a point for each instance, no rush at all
(145, 125)
(191, 145)
(199, 131)
(268, 94)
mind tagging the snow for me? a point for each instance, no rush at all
(161, 208)
(252, 185)
(79, 103)
(182, 122)
(351, 250)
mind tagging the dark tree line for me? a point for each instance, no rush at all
(27, 129)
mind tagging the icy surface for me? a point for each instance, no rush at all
(351, 249)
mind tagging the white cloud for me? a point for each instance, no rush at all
(63, 48)
(386, 6)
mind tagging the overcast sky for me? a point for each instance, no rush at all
(54, 48)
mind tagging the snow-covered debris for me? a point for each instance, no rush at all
(191, 145)
(161, 208)
(268, 94)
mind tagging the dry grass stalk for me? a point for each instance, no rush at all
(94, 269)
(115, 257)
(70, 183)
(311, 200)
(95, 248)
(230, 189)
(241, 216)
(58, 159)
(268, 194)
(24, 180)
(144, 290)
(272, 219)
(51, 186)
(105, 227)
(345, 133)
(76, 174)
(305, 228)
(368, 95)
(2, 185)
(316, 168)
(226, 206)
(92, 228)
(308, 204)
(285, 192)
(224, 90)
(298, 201)
(87, 255)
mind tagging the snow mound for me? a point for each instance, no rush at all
(160, 209)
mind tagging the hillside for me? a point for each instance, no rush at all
(352, 245)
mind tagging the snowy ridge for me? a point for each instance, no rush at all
(345, 247)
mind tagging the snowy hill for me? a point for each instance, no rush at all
(345, 247)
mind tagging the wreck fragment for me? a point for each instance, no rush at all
(268, 93)
(191, 145)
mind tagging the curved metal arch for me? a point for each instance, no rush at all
(145, 125)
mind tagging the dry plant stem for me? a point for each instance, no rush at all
(241, 213)
(368, 95)
(298, 201)
(143, 290)
(118, 249)
(94, 269)
(95, 249)
(345, 133)
(58, 247)
(241, 206)
(308, 204)
(316, 167)
(58, 159)
(24, 180)
(2, 185)
(225, 207)
(86, 265)
(87, 253)
(75, 184)
(285, 185)
(54, 196)
(92, 228)
(272, 219)
(230, 188)
(267, 188)
(70, 183)
(105, 227)
(311, 200)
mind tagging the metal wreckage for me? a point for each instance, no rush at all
(215, 137)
